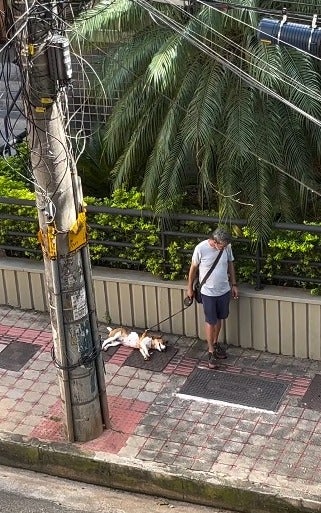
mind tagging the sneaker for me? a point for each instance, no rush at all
(211, 361)
(219, 351)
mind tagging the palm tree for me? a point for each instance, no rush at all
(198, 109)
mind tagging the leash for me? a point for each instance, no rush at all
(187, 305)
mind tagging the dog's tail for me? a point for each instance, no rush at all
(109, 329)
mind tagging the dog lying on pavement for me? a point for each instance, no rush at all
(125, 337)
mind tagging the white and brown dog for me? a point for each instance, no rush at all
(123, 336)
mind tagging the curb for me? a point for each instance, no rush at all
(69, 461)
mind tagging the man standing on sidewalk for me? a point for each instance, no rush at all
(216, 291)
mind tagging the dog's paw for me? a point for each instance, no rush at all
(104, 345)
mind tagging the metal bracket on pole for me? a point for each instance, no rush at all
(48, 242)
(282, 22)
(77, 236)
(314, 25)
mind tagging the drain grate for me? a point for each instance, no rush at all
(16, 355)
(312, 397)
(157, 362)
(248, 391)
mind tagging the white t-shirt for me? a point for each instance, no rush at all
(204, 255)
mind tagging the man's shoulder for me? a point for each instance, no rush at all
(202, 244)
(199, 251)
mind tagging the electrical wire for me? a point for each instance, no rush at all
(226, 6)
(254, 28)
(174, 102)
(181, 29)
(85, 360)
(42, 195)
(258, 84)
(287, 79)
(80, 137)
(295, 2)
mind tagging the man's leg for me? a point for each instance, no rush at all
(222, 311)
(213, 324)
(217, 329)
(209, 333)
(212, 332)
(209, 306)
(215, 350)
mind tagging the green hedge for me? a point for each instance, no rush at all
(145, 239)
(10, 230)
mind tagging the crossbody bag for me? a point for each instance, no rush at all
(198, 285)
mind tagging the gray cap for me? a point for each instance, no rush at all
(221, 235)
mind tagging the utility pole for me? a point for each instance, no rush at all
(42, 54)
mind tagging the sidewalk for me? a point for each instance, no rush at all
(212, 453)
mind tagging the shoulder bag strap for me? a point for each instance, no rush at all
(209, 272)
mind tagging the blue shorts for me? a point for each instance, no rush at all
(216, 307)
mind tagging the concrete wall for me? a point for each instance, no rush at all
(278, 320)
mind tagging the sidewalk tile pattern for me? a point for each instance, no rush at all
(149, 422)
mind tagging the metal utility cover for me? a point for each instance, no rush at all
(16, 355)
(312, 397)
(238, 389)
(157, 362)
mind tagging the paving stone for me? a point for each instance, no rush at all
(233, 447)
(165, 457)
(239, 436)
(15, 393)
(144, 430)
(146, 396)
(152, 386)
(262, 428)
(171, 447)
(153, 444)
(121, 381)
(145, 455)
(138, 384)
(126, 371)
(178, 436)
(130, 393)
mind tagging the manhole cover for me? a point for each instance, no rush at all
(157, 362)
(249, 391)
(312, 397)
(16, 355)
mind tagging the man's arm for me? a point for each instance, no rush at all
(191, 278)
(231, 272)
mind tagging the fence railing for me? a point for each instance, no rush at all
(116, 247)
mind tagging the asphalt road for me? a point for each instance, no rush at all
(28, 492)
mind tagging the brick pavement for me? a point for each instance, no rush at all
(280, 453)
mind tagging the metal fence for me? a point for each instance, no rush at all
(116, 246)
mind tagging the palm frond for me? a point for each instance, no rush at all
(168, 64)
(123, 119)
(133, 159)
(129, 61)
(109, 22)
(164, 153)
(206, 106)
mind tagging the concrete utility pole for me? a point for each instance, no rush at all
(42, 53)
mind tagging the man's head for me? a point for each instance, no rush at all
(221, 237)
